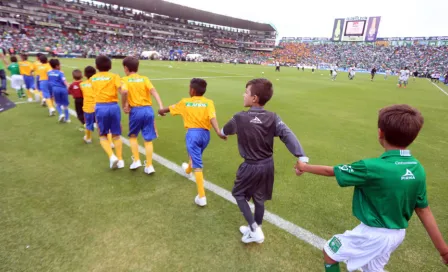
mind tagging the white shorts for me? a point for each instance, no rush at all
(365, 247)
(17, 82)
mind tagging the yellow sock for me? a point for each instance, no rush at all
(88, 134)
(41, 96)
(149, 150)
(189, 169)
(105, 144)
(49, 103)
(134, 148)
(29, 94)
(118, 147)
(199, 182)
(109, 136)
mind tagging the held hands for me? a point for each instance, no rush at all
(161, 113)
(299, 168)
(444, 258)
(222, 136)
(127, 109)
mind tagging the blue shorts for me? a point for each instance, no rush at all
(29, 82)
(38, 83)
(142, 119)
(89, 118)
(60, 96)
(43, 87)
(108, 116)
(197, 140)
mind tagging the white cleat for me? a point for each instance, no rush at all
(61, 118)
(135, 164)
(42, 103)
(52, 112)
(185, 167)
(200, 201)
(149, 169)
(113, 162)
(244, 230)
(256, 236)
(68, 121)
(120, 164)
(30, 100)
(87, 141)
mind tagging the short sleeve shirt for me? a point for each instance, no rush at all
(387, 189)
(197, 112)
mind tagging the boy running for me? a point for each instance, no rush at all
(88, 106)
(42, 74)
(136, 99)
(17, 82)
(255, 130)
(387, 191)
(58, 87)
(106, 86)
(199, 116)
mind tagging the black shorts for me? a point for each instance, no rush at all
(254, 180)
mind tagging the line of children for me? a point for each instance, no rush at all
(59, 88)
(26, 70)
(387, 189)
(17, 82)
(42, 74)
(75, 91)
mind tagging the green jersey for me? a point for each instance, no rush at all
(387, 189)
(14, 68)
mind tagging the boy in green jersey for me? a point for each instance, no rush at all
(17, 82)
(387, 191)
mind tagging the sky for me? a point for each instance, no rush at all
(315, 18)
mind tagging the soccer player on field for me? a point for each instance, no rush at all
(256, 130)
(387, 191)
(372, 73)
(36, 65)
(58, 87)
(106, 87)
(404, 77)
(199, 116)
(17, 82)
(26, 70)
(88, 106)
(42, 74)
(136, 100)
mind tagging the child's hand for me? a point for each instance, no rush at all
(445, 258)
(161, 113)
(222, 136)
(299, 168)
(127, 109)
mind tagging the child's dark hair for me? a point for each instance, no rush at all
(103, 63)
(38, 56)
(77, 74)
(13, 59)
(400, 124)
(131, 63)
(89, 71)
(54, 63)
(199, 86)
(43, 59)
(262, 88)
(24, 56)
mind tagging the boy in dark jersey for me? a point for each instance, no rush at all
(255, 130)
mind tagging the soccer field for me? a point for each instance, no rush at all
(63, 209)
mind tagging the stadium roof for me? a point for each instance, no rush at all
(183, 12)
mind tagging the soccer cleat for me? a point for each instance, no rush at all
(30, 100)
(61, 118)
(200, 201)
(42, 103)
(120, 164)
(185, 167)
(135, 164)
(113, 161)
(256, 236)
(87, 141)
(68, 121)
(149, 169)
(52, 112)
(244, 230)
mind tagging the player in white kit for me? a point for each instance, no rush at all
(404, 77)
(334, 73)
(387, 74)
(352, 73)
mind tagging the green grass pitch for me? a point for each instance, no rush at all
(63, 209)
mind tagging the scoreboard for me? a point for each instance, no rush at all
(356, 29)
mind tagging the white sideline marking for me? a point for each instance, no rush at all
(438, 87)
(272, 218)
(189, 78)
